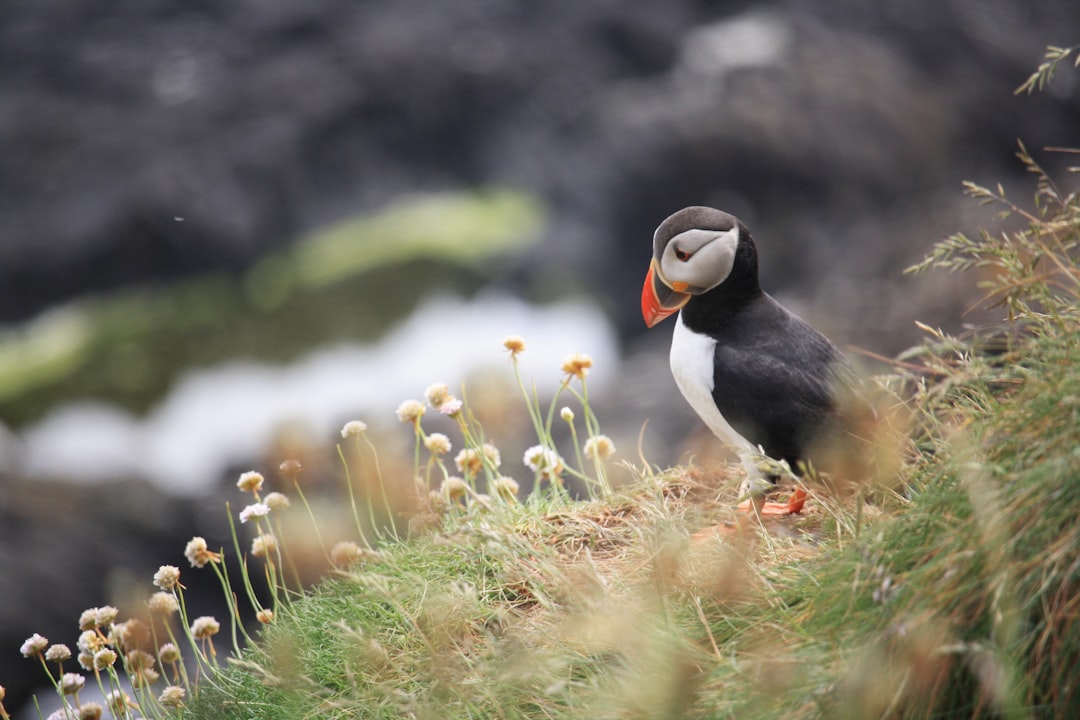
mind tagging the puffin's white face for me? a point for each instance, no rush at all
(695, 261)
(694, 251)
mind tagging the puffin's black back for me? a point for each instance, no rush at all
(775, 378)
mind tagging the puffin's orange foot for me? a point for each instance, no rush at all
(793, 505)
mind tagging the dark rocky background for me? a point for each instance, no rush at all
(839, 130)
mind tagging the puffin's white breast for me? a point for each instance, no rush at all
(692, 357)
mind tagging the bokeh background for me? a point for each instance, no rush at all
(227, 228)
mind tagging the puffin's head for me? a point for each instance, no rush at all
(694, 251)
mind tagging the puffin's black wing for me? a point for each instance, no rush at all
(777, 380)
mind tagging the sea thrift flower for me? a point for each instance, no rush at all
(90, 641)
(451, 407)
(469, 461)
(346, 553)
(172, 696)
(71, 683)
(163, 603)
(97, 617)
(290, 468)
(104, 658)
(577, 365)
(437, 444)
(454, 488)
(254, 510)
(167, 577)
(265, 616)
(168, 654)
(58, 653)
(437, 394)
(250, 481)
(140, 660)
(544, 461)
(130, 633)
(491, 454)
(263, 545)
(353, 428)
(145, 677)
(515, 344)
(410, 411)
(205, 627)
(505, 487)
(119, 702)
(567, 414)
(34, 645)
(599, 447)
(197, 553)
(90, 711)
(277, 501)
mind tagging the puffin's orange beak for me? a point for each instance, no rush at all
(657, 299)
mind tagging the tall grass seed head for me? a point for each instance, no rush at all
(410, 411)
(577, 365)
(250, 481)
(167, 577)
(437, 444)
(254, 510)
(198, 554)
(353, 428)
(71, 683)
(205, 627)
(168, 653)
(34, 645)
(515, 344)
(58, 653)
(277, 501)
(163, 603)
(600, 447)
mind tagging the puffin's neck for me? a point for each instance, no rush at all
(710, 311)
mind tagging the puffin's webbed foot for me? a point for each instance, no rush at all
(758, 484)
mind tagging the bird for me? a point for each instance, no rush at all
(759, 376)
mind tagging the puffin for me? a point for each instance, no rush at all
(761, 378)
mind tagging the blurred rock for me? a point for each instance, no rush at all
(152, 139)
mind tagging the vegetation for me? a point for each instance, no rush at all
(947, 587)
(129, 347)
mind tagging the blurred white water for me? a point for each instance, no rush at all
(228, 414)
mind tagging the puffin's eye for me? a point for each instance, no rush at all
(682, 255)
